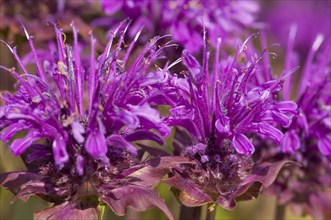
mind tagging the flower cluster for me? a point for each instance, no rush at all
(86, 116)
(79, 144)
(222, 111)
(184, 19)
(307, 140)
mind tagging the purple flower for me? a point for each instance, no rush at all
(81, 115)
(313, 99)
(222, 110)
(184, 19)
(307, 140)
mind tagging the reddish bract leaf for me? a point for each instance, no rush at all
(267, 172)
(69, 211)
(136, 197)
(27, 184)
(150, 175)
(261, 177)
(190, 195)
(14, 180)
(42, 189)
(32, 188)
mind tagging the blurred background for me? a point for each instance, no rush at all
(34, 14)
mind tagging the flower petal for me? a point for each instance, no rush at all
(291, 142)
(147, 112)
(80, 165)
(59, 150)
(127, 117)
(242, 144)
(96, 144)
(324, 145)
(181, 112)
(150, 118)
(287, 107)
(198, 148)
(223, 128)
(77, 131)
(118, 141)
(20, 145)
(282, 119)
(271, 131)
(194, 67)
(13, 129)
(157, 77)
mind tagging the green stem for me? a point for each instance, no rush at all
(211, 212)
(189, 213)
(279, 212)
(101, 209)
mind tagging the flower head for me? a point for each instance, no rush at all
(184, 19)
(307, 140)
(81, 115)
(222, 110)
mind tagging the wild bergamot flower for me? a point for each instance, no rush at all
(81, 115)
(222, 110)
